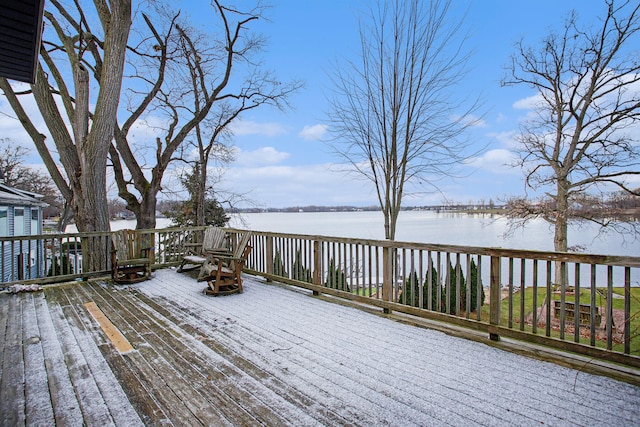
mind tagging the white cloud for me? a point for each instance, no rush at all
(497, 161)
(529, 103)
(313, 133)
(148, 129)
(282, 186)
(506, 139)
(261, 156)
(248, 127)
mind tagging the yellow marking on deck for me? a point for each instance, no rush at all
(114, 335)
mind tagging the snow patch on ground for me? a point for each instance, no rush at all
(14, 289)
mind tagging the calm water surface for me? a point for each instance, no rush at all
(441, 228)
(430, 227)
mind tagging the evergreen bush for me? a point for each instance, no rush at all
(412, 282)
(300, 272)
(278, 266)
(336, 278)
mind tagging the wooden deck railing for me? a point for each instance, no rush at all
(526, 295)
(505, 293)
(51, 258)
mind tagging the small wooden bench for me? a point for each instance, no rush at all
(584, 312)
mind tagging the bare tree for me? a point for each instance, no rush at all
(72, 50)
(209, 149)
(196, 78)
(12, 159)
(582, 138)
(393, 116)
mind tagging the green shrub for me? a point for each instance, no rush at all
(412, 282)
(336, 278)
(300, 272)
(278, 266)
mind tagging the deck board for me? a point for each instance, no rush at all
(39, 411)
(12, 383)
(172, 368)
(270, 356)
(139, 396)
(61, 392)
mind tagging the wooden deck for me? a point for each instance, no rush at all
(269, 356)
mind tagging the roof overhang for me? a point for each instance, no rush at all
(20, 38)
(16, 197)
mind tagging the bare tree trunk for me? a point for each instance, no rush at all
(561, 217)
(201, 196)
(560, 233)
(146, 215)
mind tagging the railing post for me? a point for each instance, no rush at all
(494, 296)
(269, 256)
(84, 249)
(21, 264)
(317, 265)
(387, 276)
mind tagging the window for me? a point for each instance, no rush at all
(18, 222)
(4, 230)
(35, 222)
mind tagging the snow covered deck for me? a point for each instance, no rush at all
(269, 356)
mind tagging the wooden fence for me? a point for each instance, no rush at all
(589, 304)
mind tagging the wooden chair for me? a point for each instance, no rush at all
(223, 273)
(131, 259)
(212, 242)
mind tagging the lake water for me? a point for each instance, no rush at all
(439, 228)
(430, 227)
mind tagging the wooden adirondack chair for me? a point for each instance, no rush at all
(130, 259)
(223, 273)
(212, 242)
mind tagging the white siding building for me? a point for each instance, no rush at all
(20, 215)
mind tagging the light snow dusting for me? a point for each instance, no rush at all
(380, 372)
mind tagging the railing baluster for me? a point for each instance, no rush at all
(479, 289)
(447, 292)
(627, 310)
(494, 299)
(576, 314)
(593, 306)
(534, 303)
(523, 291)
(510, 301)
(458, 285)
(469, 287)
(548, 301)
(420, 277)
(430, 282)
(610, 322)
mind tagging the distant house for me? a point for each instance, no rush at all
(20, 215)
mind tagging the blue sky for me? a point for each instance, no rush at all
(281, 159)
(288, 165)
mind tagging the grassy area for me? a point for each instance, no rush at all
(585, 298)
(366, 291)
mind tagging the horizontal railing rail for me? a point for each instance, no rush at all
(585, 303)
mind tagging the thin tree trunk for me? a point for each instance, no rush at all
(560, 233)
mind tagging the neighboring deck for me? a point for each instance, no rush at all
(268, 356)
